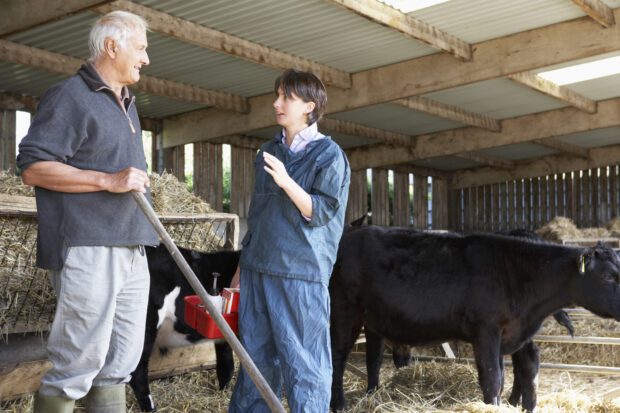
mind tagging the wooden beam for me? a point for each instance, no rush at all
(597, 10)
(548, 165)
(491, 161)
(533, 81)
(67, 65)
(420, 170)
(409, 26)
(15, 102)
(190, 32)
(566, 148)
(20, 15)
(522, 129)
(241, 141)
(572, 40)
(354, 129)
(450, 112)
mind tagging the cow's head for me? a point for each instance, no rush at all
(597, 286)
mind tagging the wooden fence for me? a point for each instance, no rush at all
(589, 197)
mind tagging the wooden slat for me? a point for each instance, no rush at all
(587, 198)
(597, 10)
(603, 194)
(450, 112)
(578, 189)
(440, 204)
(561, 208)
(552, 193)
(420, 197)
(520, 222)
(544, 206)
(401, 199)
(496, 207)
(7, 140)
(209, 173)
(358, 196)
(380, 197)
(174, 161)
(242, 180)
(504, 217)
(571, 196)
(488, 209)
(613, 191)
(409, 26)
(533, 81)
(527, 206)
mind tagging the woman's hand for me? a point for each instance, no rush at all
(276, 169)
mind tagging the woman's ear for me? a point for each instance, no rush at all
(310, 107)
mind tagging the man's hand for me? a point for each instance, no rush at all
(129, 179)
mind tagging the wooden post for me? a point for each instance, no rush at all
(527, 207)
(613, 190)
(521, 223)
(380, 197)
(7, 140)
(603, 194)
(440, 204)
(420, 202)
(535, 188)
(480, 205)
(571, 196)
(242, 177)
(174, 162)
(209, 173)
(561, 208)
(512, 211)
(544, 200)
(401, 199)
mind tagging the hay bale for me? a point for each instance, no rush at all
(558, 229)
(614, 227)
(595, 233)
(27, 301)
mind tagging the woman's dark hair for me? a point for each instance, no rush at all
(307, 87)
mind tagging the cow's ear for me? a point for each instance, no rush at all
(584, 260)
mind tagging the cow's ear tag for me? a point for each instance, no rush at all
(582, 265)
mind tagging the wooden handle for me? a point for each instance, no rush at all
(244, 358)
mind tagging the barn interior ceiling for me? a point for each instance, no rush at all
(450, 90)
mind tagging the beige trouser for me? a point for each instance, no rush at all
(98, 330)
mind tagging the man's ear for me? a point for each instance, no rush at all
(110, 47)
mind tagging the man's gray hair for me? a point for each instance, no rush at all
(117, 25)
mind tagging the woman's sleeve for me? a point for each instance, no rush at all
(330, 190)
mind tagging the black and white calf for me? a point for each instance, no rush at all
(489, 290)
(165, 327)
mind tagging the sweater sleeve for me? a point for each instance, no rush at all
(51, 136)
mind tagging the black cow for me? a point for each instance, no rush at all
(164, 321)
(489, 290)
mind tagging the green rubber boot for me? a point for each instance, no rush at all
(52, 404)
(106, 399)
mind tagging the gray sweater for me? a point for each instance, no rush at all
(80, 123)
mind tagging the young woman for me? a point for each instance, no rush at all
(294, 225)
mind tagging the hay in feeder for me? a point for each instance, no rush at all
(595, 233)
(559, 228)
(13, 185)
(170, 196)
(614, 227)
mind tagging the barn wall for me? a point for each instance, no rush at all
(242, 177)
(209, 173)
(174, 161)
(7, 140)
(589, 197)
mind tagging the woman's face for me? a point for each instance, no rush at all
(291, 111)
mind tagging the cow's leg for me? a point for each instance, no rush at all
(345, 327)
(140, 377)
(225, 364)
(374, 358)
(526, 362)
(486, 350)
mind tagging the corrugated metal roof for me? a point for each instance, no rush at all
(446, 163)
(313, 29)
(18, 79)
(497, 98)
(396, 118)
(594, 138)
(518, 152)
(479, 20)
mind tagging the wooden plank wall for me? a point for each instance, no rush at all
(358, 196)
(209, 173)
(174, 162)
(440, 204)
(420, 202)
(242, 177)
(380, 200)
(402, 213)
(589, 197)
(7, 140)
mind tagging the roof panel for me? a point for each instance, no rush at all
(446, 163)
(519, 151)
(335, 37)
(478, 20)
(396, 118)
(594, 138)
(498, 98)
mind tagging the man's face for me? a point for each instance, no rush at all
(131, 58)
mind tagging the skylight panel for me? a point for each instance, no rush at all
(585, 71)
(407, 6)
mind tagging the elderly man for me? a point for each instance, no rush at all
(84, 155)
